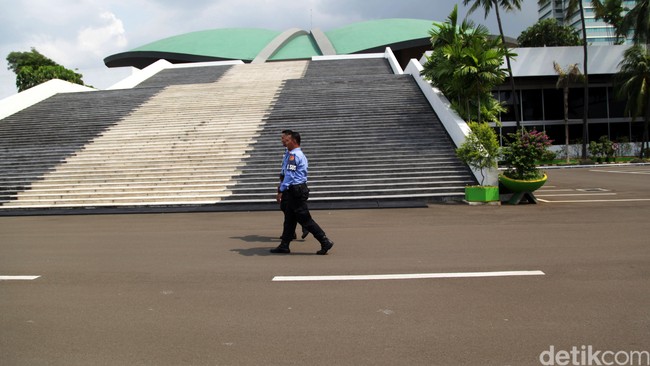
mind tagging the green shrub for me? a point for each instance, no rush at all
(480, 149)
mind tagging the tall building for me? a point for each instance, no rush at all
(598, 32)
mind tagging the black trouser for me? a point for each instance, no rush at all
(294, 206)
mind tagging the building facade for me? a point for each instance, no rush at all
(541, 103)
(598, 32)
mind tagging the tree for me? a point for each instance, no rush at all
(573, 7)
(549, 33)
(29, 76)
(479, 68)
(637, 20)
(466, 65)
(565, 78)
(633, 78)
(611, 12)
(35, 59)
(33, 68)
(507, 5)
(633, 85)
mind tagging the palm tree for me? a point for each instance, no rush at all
(637, 20)
(481, 69)
(466, 66)
(572, 8)
(508, 5)
(441, 65)
(611, 12)
(565, 78)
(633, 82)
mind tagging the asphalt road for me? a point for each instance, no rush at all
(198, 289)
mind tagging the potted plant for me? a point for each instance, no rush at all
(521, 156)
(480, 151)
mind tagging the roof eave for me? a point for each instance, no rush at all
(142, 59)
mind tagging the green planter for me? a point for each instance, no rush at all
(518, 186)
(481, 193)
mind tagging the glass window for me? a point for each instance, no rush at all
(505, 134)
(575, 133)
(596, 130)
(597, 102)
(556, 133)
(637, 131)
(620, 131)
(506, 97)
(553, 104)
(531, 102)
(576, 106)
(616, 106)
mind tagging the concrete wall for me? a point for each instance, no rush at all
(18, 102)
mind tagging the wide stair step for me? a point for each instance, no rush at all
(209, 137)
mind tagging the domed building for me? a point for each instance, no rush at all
(197, 127)
(408, 38)
(540, 102)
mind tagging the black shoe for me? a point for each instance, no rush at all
(281, 249)
(304, 233)
(325, 246)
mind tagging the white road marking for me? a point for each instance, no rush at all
(592, 190)
(18, 278)
(406, 276)
(588, 201)
(575, 194)
(621, 172)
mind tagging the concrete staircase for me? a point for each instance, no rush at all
(210, 137)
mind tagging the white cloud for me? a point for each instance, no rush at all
(89, 34)
(103, 39)
(105, 35)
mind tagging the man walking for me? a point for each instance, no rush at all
(286, 135)
(293, 194)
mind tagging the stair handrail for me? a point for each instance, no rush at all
(392, 60)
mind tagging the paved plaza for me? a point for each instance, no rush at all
(468, 285)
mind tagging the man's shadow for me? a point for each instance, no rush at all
(259, 251)
(256, 239)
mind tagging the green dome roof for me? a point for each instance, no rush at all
(247, 44)
(378, 34)
(231, 43)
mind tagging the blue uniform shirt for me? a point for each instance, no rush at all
(294, 169)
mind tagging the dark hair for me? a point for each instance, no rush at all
(287, 132)
(296, 136)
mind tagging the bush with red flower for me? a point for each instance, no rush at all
(524, 151)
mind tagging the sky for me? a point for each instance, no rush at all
(79, 34)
